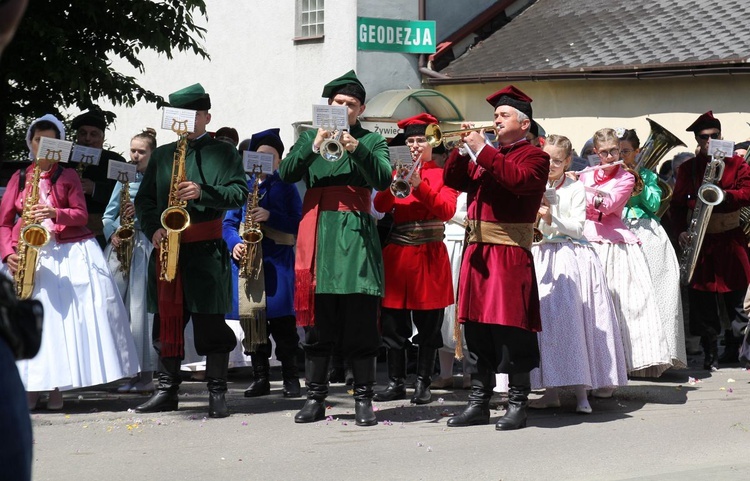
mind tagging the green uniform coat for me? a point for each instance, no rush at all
(348, 252)
(206, 273)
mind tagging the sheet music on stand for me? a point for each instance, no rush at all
(257, 160)
(177, 119)
(330, 117)
(54, 150)
(86, 155)
(400, 155)
(121, 171)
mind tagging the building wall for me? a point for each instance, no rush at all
(577, 108)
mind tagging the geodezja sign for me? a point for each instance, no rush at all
(408, 36)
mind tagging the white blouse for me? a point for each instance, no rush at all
(568, 213)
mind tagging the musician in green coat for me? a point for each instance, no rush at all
(201, 291)
(339, 266)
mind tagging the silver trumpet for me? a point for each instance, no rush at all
(331, 149)
(400, 187)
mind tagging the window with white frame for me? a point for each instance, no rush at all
(310, 18)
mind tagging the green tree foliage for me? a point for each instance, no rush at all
(60, 57)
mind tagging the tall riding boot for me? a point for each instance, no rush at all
(396, 389)
(168, 383)
(260, 385)
(710, 352)
(519, 387)
(364, 378)
(316, 372)
(425, 369)
(290, 377)
(478, 409)
(217, 366)
(731, 352)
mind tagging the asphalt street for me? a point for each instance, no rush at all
(687, 425)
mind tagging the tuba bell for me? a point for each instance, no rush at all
(659, 142)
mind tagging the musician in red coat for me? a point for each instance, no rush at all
(722, 271)
(497, 295)
(418, 282)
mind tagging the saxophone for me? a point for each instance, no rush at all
(126, 231)
(32, 238)
(709, 195)
(175, 217)
(250, 263)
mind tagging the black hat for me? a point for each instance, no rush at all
(267, 137)
(93, 117)
(512, 96)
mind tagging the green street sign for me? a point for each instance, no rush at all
(408, 36)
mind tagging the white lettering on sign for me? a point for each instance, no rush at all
(398, 35)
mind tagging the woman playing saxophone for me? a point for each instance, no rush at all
(128, 260)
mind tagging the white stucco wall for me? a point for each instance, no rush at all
(577, 108)
(257, 77)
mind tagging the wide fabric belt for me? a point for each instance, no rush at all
(280, 238)
(722, 222)
(417, 232)
(502, 233)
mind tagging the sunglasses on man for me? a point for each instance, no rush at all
(715, 135)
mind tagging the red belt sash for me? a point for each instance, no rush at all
(337, 198)
(170, 294)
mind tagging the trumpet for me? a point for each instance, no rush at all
(450, 139)
(331, 149)
(400, 187)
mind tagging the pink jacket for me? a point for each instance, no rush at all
(604, 223)
(66, 196)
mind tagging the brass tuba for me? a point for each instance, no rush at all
(126, 231)
(250, 264)
(709, 195)
(175, 217)
(659, 142)
(32, 238)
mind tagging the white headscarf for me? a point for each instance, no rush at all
(49, 118)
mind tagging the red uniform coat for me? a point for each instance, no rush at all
(722, 264)
(66, 195)
(497, 282)
(419, 277)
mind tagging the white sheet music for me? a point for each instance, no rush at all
(262, 160)
(54, 150)
(121, 171)
(176, 119)
(86, 155)
(400, 154)
(725, 146)
(330, 117)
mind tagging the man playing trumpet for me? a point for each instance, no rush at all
(498, 297)
(418, 285)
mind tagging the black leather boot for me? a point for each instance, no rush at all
(425, 369)
(290, 378)
(519, 387)
(396, 389)
(731, 352)
(216, 378)
(168, 383)
(316, 372)
(363, 371)
(710, 353)
(260, 385)
(477, 411)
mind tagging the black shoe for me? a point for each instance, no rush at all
(261, 368)
(363, 413)
(259, 387)
(160, 401)
(313, 410)
(217, 405)
(422, 394)
(395, 390)
(514, 418)
(475, 414)
(710, 353)
(291, 388)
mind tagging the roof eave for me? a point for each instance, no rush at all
(653, 71)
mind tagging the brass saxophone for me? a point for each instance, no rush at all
(32, 238)
(250, 264)
(126, 231)
(709, 195)
(175, 217)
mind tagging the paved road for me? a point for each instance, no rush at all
(674, 428)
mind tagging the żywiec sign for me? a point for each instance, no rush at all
(407, 36)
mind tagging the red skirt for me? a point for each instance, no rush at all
(498, 286)
(417, 277)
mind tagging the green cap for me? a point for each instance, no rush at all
(347, 84)
(192, 97)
